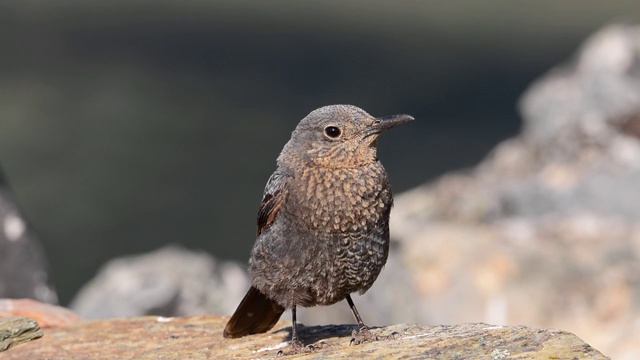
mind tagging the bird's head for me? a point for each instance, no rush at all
(340, 136)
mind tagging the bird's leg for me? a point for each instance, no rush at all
(296, 345)
(363, 334)
(361, 324)
(295, 342)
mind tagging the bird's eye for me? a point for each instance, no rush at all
(332, 132)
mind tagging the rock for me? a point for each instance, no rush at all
(546, 230)
(201, 338)
(171, 281)
(17, 330)
(23, 264)
(589, 102)
(46, 315)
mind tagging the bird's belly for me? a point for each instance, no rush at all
(319, 270)
(357, 263)
(325, 245)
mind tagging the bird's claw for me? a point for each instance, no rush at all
(365, 335)
(297, 347)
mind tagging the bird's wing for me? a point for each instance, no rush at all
(257, 313)
(273, 198)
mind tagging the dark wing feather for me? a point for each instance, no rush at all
(272, 200)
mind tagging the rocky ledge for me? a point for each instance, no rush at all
(16, 330)
(201, 338)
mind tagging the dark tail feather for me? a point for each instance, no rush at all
(255, 314)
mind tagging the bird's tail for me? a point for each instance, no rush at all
(255, 314)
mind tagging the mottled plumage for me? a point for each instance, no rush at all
(323, 225)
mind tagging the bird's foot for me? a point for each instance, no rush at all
(297, 347)
(365, 335)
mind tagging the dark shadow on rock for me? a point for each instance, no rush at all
(313, 334)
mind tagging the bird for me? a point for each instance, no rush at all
(323, 223)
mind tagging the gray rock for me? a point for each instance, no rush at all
(23, 264)
(581, 103)
(580, 129)
(17, 330)
(171, 281)
(546, 230)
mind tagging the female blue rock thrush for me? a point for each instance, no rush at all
(323, 225)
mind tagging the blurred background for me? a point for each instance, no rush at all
(129, 125)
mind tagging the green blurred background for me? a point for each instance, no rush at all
(127, 125)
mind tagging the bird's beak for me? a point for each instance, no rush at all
(387, 122)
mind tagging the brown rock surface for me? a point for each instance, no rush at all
(46, 315)
(201, 338)
(17, 330)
